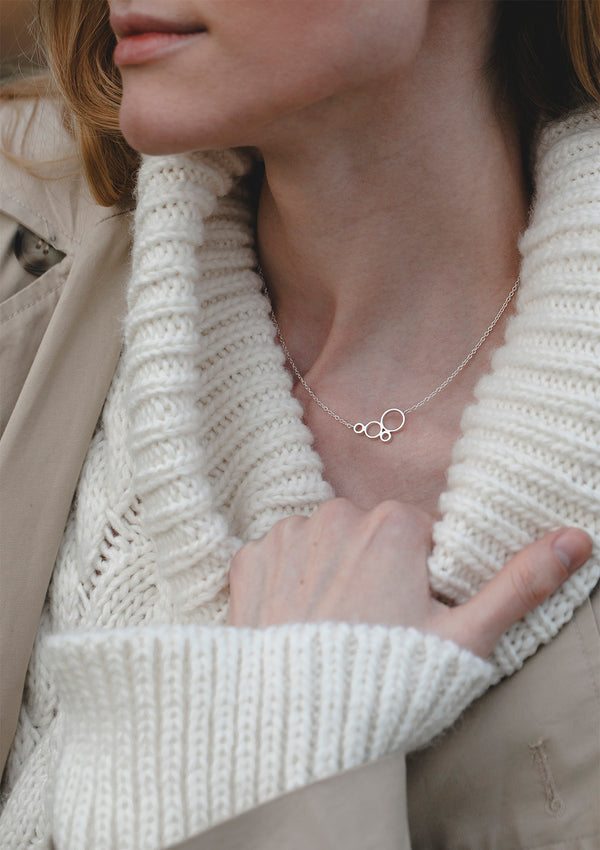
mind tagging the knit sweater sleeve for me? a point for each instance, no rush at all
(170, 730)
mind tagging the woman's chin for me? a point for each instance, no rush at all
(158, 134)
(150, 136)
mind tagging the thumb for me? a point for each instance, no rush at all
(525, 581)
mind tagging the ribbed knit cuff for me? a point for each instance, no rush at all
(170, 730)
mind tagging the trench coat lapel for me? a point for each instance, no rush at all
(45, 441)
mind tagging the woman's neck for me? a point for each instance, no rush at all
(395, 209)
(387, 228)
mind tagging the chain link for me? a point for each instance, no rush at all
(296, 371)
(471, 353)
(359, 428)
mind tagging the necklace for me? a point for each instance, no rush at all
(376, 428)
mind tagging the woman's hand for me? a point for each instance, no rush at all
(345, 564)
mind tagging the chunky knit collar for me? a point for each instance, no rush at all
(219, 448)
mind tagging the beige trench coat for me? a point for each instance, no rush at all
(520, 770)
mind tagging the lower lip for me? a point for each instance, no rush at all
(137, 49)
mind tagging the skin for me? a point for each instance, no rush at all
(317, 573)
(387, 227)
(262, 64)
(338, 96)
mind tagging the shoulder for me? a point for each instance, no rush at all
(566, 200)
(42, 185)
(568, 154)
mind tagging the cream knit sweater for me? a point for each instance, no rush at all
(144, 718)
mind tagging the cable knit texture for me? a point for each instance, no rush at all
(171, 730)
(144, 718)
(529, 457)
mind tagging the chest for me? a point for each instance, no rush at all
(411, 467)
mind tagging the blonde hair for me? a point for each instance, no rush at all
(79, 44)
(580, 23)
(546, 61)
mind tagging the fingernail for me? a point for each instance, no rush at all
(572, 547)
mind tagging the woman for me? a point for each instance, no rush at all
(395, 185)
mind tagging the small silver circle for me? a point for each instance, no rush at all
(398, 427)
(379, 427)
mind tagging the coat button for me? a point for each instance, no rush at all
(34, 253)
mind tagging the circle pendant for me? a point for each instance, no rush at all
(377, 429)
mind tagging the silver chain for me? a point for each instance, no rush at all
(376, 428)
